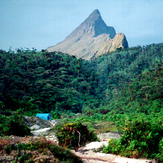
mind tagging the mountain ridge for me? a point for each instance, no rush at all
(91, 22)
(91, 39)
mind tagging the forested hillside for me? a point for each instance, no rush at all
(124, 81)
(120, 91)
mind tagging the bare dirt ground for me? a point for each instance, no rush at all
(92, 157)
(88, 155)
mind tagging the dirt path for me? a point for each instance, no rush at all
(88, 155)
(98, 157)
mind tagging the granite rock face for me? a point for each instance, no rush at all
(119, 41)
(93, 26)
(91, 39)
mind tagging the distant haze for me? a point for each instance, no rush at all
(40, 23)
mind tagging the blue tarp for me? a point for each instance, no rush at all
(45, 116)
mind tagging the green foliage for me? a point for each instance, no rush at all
(41, 146)
(161, 146)
(40, 81)
(113, 147)
(13, 125)
(115, 87)
(140, 139)
(55, 114)
(74, 135)
(159, 156)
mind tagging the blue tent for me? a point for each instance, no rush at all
(45, 116)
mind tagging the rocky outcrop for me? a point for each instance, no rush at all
(93, 26)
(31, 121)
(119, 41)
(91, 39)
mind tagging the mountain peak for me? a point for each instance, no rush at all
(91, 39)
(93, 26)
(96, 11)
(95, 15)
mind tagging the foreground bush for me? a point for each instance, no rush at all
(74, 135)
(159, 156)
(13, 125)
(140, 139)
(41, 151)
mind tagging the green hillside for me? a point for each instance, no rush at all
(124, 81)
(120, 91)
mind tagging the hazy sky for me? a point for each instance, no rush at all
(43, 23)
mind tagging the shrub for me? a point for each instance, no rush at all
(73, 135)
(55, 114)
(113, 147)
(140, 139)
(159, 156)
(13, 125)
(42, 146)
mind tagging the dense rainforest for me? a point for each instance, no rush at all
(128, 80)
(124, 87)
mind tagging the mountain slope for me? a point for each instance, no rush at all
(93, 26)
(91, 39)
(43, 82)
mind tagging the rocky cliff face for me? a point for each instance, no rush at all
(93, 26)
(91, 39)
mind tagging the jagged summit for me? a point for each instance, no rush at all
(91, 39)
(95, 15)
(94, 26)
